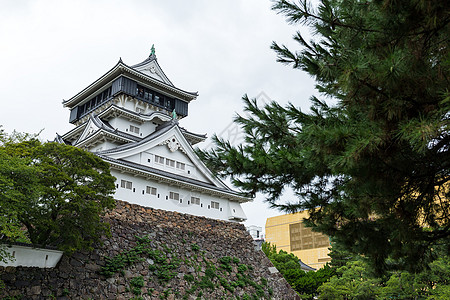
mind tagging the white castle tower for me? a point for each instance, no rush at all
(129, 117)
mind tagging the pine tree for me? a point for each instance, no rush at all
(373, 168)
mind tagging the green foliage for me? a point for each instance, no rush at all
(195, 247)
(245, 297)
(221, 276)
(288, 265)
(205, 283)
(263, 281)
(352, 283)
(127, 258)
(339, 255)
(163, 267)
(371, 166)
(210, 271)
(242, 268)
(136, 291)
(355, 281)
(137, 282)
(56, 192)
(226, 285)
(225, 263)
(13, 297)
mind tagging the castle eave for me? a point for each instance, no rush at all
(122, 69)
(180, 181)
(101, 136)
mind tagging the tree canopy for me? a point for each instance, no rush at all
(304, 283)
(373, 168)
(53, 194)
(354, 281)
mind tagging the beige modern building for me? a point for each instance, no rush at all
(288, 233)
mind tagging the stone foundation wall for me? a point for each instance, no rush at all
(155, 254)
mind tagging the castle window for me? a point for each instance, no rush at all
(134, 129)
(180, 165)
(195, 200)
(174, 196)
(170, 162)
(126, 184)
(151, 190)
(159, 159)
(214, 205)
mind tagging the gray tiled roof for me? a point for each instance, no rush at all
(305, 267)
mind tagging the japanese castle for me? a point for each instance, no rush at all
(129, 118)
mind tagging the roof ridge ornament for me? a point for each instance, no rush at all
(152, 51)
(174, 114)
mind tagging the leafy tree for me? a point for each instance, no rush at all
(372, 169)
(18, 182)
(304, 283)
(401, 286)
(53, 194)
(352, 282)
(355, 281)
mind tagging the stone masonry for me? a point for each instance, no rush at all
(185, 257)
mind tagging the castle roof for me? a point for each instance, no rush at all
(148, 71)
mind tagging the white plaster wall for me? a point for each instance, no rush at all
(191, 171)
(253, 231)
(32, 257)
(138, 195)
(103, 146)
(147, 158)
(130, 105)
(154, 73)
(133, 103)
(123, 124)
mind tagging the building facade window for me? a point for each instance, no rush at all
(159, 159)
(134, 129)
(174, 196)
(126, 184)
(170, 162)
(153, 97)
(195, 200)
(151, 190)
(94, 102)
(214, 205)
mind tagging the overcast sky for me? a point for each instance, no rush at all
(52, 49)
